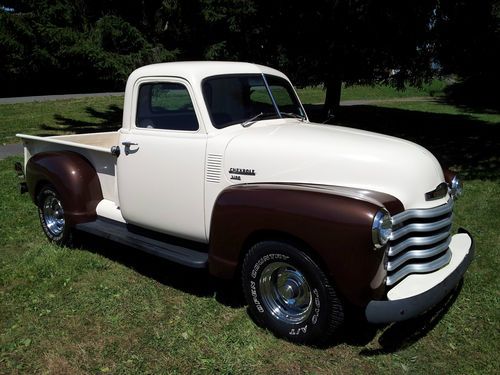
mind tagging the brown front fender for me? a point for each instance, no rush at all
(74, 178)
(335, 228)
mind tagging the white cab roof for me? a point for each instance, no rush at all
(196, 71)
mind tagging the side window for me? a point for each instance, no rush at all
(164, 105)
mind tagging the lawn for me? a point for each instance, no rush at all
(312, 95)
(102, 308)
(60, 117)
(107, 309)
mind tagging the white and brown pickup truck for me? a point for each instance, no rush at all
(217, 166)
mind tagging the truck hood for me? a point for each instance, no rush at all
(289, 151)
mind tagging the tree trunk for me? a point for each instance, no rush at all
(332, 99)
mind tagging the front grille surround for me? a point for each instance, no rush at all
(419, 242)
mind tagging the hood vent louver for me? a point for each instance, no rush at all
(214, 168)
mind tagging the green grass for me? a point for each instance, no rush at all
(102, 308)
(104, 113)
(58, 117)
(314, 95)
(107, 309)
(443, 108)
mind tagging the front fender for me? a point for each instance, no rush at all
(335, 225)
(74, 178)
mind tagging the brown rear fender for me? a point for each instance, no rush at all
(74, 178)
(334, 225)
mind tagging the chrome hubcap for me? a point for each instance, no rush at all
(53, 215)
(285, 293)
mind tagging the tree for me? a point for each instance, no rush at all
(95, 44)
(468, 45)
(330, 42)
(58, 45)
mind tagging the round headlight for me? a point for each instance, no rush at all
(381, 228)
(456, 187)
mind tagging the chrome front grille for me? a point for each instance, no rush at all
(419, 242)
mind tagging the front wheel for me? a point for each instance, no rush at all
(288, 293)
(51, 214)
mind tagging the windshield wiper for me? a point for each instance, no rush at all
(294, 115)
(255, 118)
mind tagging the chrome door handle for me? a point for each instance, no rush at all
(129, 150)
(128, 144)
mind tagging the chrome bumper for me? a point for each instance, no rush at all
(418, 293)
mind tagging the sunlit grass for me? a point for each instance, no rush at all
(108, 309)
(50, 118)
(315, 95)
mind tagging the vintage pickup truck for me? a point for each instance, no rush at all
(217, 166)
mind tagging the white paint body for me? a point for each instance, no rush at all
(172, 179)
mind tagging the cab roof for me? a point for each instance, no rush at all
(199, 70)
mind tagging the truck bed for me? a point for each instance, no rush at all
(92, 141)
(95, 147)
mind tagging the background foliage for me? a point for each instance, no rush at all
(51, 46)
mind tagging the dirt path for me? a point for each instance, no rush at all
(375, 101)
(45, 98)
(10, 150)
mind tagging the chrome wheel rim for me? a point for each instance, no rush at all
(53, 215)
(285, 293)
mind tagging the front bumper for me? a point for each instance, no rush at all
(418, 293)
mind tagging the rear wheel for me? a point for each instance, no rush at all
(52, 217)
(288, 293)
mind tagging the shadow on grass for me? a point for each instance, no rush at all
(470, 146)
(460, 142)
(107, 120)
(189, 280)
(393, 337)
(356, 331)
(399, 336)
(477, 94)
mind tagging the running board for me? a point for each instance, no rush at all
(119, 232)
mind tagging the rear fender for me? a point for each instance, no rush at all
(74, 178)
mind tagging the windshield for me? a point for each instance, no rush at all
(234, 99)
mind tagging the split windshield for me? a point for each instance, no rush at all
(234, 99)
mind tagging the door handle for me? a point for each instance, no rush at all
(128, 144)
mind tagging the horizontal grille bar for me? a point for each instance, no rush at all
(419, 268)
(422, 227)
(418, 254)
(417, 241)
(423, 213)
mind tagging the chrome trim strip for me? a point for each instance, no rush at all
(421, 227)
(417, 241)
(419, 268)
(418, 254)
(423, 213)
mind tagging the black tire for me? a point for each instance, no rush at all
(52, 217)
(288, 293)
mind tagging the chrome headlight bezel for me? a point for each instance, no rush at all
(381, 228)
(456, 187)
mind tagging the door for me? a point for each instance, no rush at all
(161, 168)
